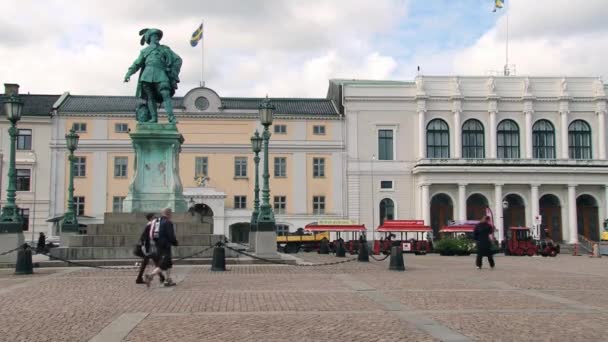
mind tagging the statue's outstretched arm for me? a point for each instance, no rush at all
(137, 64)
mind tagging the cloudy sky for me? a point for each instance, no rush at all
(292, 47)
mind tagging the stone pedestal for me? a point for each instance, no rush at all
(9, 241)
(266, 241)
(156, 183)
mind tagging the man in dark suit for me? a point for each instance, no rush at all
(162, 234)
(145, 246)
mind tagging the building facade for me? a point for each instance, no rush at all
(216, 163)
(533, 149)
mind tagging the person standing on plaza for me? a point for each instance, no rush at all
(145, 249)
(481, 234)
(162, 235)
(41, 243)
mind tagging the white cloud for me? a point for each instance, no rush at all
(284, 48)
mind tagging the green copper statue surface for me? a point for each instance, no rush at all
(158, 78)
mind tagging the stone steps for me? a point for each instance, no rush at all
(140, 218)
(88, 253)
(130, 240)
(181, 228)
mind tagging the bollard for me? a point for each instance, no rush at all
(363, 252)
(324, 247)
(219, 259)
(397, 263)
(340, 250)
(24, 261)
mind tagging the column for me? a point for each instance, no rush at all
(498, 218)
(457, 135)
(492, 135)
(426, 212)
(462, 202)
(572, 225)
(564, 134)
(421, 135)
(601, 120)
(533, 202)
(605, 205)
(528, 121)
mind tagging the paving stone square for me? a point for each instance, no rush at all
(436, 299)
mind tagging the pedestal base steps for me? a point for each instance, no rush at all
(116, 237)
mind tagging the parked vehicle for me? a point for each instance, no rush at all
(520, 242)
(349, 233)
(413, 237)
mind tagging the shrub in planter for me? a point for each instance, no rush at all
(449, 246)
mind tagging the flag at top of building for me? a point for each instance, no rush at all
(198, 35)
(498, 4)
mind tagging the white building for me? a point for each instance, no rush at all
(443, 148)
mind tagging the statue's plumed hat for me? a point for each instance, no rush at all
(147, 32)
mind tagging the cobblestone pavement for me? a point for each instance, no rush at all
(437, 298)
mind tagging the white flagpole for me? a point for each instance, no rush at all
(507, 71)
(202, 55)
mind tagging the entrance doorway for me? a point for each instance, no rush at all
(551, 212)
(515, 213)
(587, 217)
(442, 211)
(476, 206)
(239, 232)
(387, 210)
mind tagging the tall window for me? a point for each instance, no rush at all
(24, 139)
(280, 203)
(437, 139)
(117, 202)
(507, 135)
(25, 213)
(240, 166)
(387, 210)
(472, 139)
(318, 205)
(385, 144)
(23, 179)
(280, 167)
(79, 204)
(318, 167)
(282, 229)
(201, 165)
(579, 140)
(80, 167)
(543, 140)
(120, 166)
(240, 202)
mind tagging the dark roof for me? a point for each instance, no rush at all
(284, 105)
(122, 104)
(105, 104)
(34, 105)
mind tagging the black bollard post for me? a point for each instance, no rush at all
(324, 247)
(24, 261)
(397, 263)
(340, 250)
(219, 259)
(363, 252)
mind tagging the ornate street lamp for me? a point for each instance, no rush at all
(265, 234)
(10, 219)
(256, 147)
(69, 223)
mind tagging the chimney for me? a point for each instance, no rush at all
(11, 89)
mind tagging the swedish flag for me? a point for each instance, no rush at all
(198, 35)
(498, 4)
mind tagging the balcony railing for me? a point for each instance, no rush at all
(510, 162)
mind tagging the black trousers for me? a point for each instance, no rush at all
(478, 261)
(142, 267)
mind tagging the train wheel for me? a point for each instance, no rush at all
(519, 252)
(531, 252)
(292, 248)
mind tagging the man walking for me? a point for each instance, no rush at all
(162, 235)
(144, 244)
(481, 234)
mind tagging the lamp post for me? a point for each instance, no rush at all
(256, 147)
(69, 223)
(265, 234)
(10, 219)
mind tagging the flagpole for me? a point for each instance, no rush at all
(507, 44)
(202, 56)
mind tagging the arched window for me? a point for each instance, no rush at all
(387, 210)
(507, 135)
(579, 140)
(437, 139)
(543, 140)
(472, 139)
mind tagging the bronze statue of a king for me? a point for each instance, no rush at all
(159, 75)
